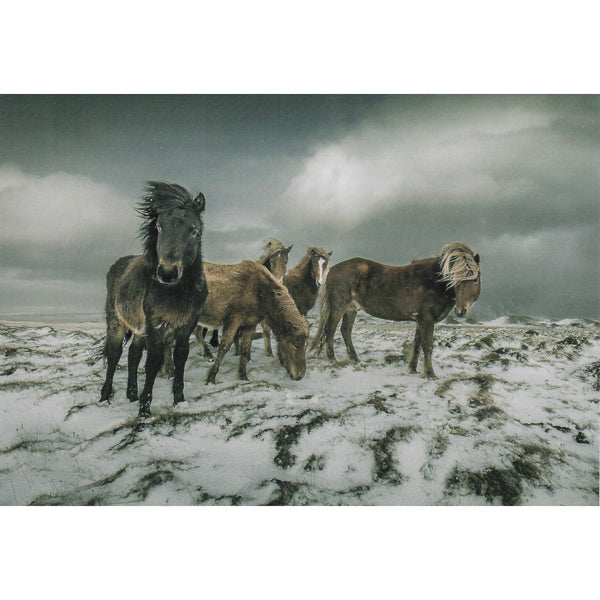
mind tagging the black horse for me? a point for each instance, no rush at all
(158, 294)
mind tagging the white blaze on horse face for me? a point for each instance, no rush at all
(321, 273)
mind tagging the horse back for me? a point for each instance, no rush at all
(232, 289)
(385, 291)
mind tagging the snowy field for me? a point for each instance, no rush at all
(511, 419)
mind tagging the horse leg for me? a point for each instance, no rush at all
(416, 348)
(346, 328)
(214, 338)
(236, 340)
(136, 350)
(167, 367)
(113, 349)
(200, 332)
(229, 330)
(267, 338)
(180, 355)
(427, 345)
(154, 358)
(246, 343)
(330, 327)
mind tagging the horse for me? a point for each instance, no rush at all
(243, 295)
(157, 295)
(274, 258)
(304, 280)
(423, 291)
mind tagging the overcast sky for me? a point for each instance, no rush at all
(389, 178)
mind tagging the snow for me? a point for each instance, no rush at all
(511, 419)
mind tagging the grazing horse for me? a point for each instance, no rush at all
(274, 258)
(243, 295)
(423, 291)
(303, 283)
(158, 294)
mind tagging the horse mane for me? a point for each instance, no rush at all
(308, 256)
(457, 264)
(160, 196)
(271, 246)
(283, 315)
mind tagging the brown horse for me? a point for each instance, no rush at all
(241, 296)
(157, 295)
(275, 259)
(303, 283)
(304, 280)
(423, 291)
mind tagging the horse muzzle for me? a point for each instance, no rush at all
(168, 274)
(462, 312)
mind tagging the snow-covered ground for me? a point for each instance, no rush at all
(512, 419)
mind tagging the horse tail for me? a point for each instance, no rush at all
(319, 339)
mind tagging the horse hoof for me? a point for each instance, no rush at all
(178, 400)
(103, 400)
(144, 411)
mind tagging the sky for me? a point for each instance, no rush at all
(390, 178)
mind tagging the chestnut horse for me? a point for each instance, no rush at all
(241, 296)
(423, 291)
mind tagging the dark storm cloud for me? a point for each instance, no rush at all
(516, 178)
(387, 177)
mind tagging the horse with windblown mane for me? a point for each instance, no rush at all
(423, 291)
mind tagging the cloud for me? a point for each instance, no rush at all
(61, 228)
(476, 154)
(60, 208)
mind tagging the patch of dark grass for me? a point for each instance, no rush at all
(150, 481)
(285, 438)
(491, 483)
(443, 388)
(491, 358)
(571, 340)
(377, 400)
(393, 359)
(284, 494)
(488, 412)
(315, 462)
(383, 448)
(594, 370)
(438, 446)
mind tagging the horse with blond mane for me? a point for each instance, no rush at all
(423, 291)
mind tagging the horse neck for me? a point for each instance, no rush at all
(303, 270)
(277, 307)
(440, 286)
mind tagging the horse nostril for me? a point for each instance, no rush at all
(461, 313)
(166, 274)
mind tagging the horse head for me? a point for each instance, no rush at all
(172, 229)
(275, 257)
(460, 269)
(319, 259)
(291, 348)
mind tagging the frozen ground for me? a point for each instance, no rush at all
(512, 419)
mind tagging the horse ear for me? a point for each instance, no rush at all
(200, 201)
(476, 257)
(329, 254)
(312, 251)
(287, 250)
